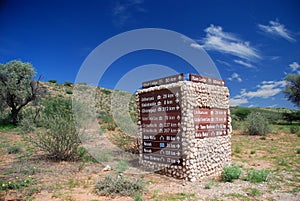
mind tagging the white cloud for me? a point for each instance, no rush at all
(267, 89)
(276, 29)
(294, 66)
(218, 40)
(235, 76)
(196, 45)
(275, 58)
(223, 62)
(237, 101)
(248, 65)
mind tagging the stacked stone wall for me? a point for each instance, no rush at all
(205, 148)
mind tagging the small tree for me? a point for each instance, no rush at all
(58, 136)
(256, 124)
(291, 116)
(292, 89)
(17, 86)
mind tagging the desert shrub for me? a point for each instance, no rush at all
(27, 125)
(291, 116)
(106, 91)
(230, 173)
(15, 184)
(294, 129)
(111, 126)
(107, 118)
(68, 91)
(68, 84)
(257, 176)
(58, 136)
(119, 185)
(52, 81)
(5, 117)
(138, 198)
(242, 113)
(125, 142)
(256, 124)
(30, 120)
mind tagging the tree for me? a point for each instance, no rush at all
(242, 113)
(291, 116)
(58, 136)
(17, 86)
(292, 89)
(257, 124)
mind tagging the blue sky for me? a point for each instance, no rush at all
(254, 44)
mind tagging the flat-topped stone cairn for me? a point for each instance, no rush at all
(184, 126)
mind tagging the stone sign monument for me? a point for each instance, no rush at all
(185, 126)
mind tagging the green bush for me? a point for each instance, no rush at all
(68, 84)
(256, 124)
(107, 118)
(138, 198)
(106, 91)
(230, 173)
(52, 81)
(125, 142)
(298, 134)
(294, 129)
(257, 176)
(298, 151)
(119, 185)
(68, 91)
(30, 120)
(242, 113)
(15, 184)
(111, 126)
(5, 117)
(58, 136)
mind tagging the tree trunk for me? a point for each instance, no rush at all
(14, 114)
